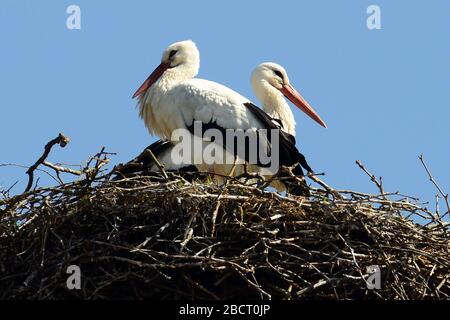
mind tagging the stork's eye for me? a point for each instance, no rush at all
(172, 53)
(278, 73)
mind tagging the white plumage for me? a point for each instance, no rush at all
(172, 99)
(266, 83)
(271, 86)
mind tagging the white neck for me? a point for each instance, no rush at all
(275, 105)
(174, 76)
(149, 103)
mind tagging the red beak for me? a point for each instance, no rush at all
(295, 97)
(154, 76)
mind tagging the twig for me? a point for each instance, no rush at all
(379, 184)
(26, 167)
(62, 140)
(10, 188)
(62, 169)
(433, 181)
(157, 163)
(214, 218)
(336, 194)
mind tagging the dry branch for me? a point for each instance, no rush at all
(163, 237)
(439, 189)
(62, 140)
(372, 177)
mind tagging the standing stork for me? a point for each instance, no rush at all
(170, 99)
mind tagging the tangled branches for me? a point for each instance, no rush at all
(163, 237)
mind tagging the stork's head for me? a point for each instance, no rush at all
(272, 78)
(180, 59)
(183, 53)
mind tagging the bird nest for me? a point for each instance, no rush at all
(164, 237)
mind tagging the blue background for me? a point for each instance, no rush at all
(383, 93)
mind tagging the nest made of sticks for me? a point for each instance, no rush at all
(163, 237)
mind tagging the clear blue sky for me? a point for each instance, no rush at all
(384, 93)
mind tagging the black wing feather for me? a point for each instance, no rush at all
(144, 161)
(289, 154)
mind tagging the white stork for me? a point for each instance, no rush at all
(171, 99)
(271, 85)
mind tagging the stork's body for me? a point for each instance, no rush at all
(171, 99)
(211, 103)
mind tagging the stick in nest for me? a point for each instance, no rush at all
(372, 177)
(62, 140)
(157, 163)
(439, 189)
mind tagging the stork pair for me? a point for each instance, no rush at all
(171, 98)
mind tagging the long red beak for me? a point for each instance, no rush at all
(295, 97)
(154, 76)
